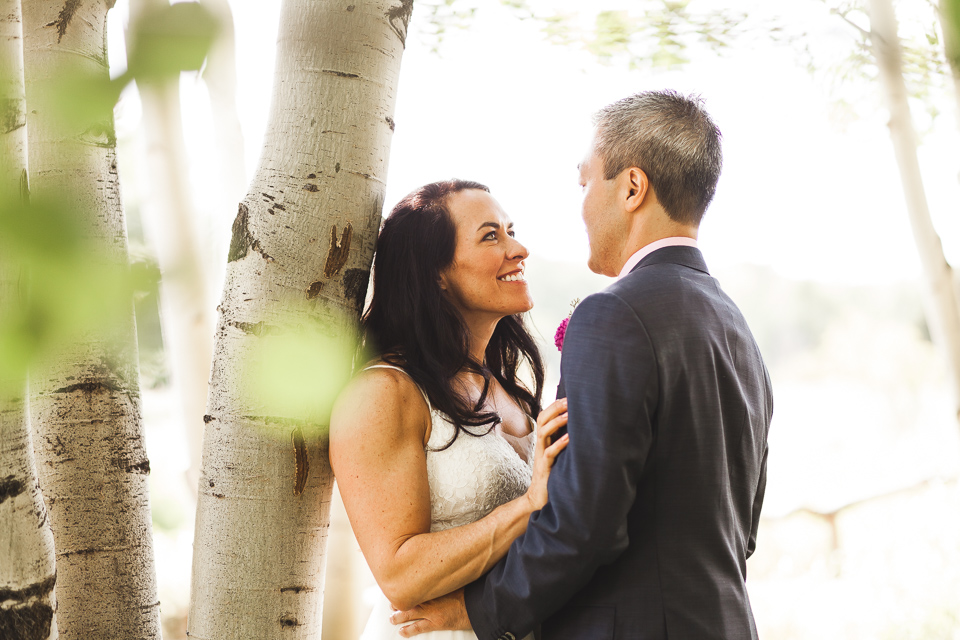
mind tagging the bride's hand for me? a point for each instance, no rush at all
(549, 420)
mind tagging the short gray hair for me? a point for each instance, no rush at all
(672, 139)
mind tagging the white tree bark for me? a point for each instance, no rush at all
(27, 560)
(85, 402)
(220, 77)
(220, 74)
(943, 312)
(170, 221)
(302, 245)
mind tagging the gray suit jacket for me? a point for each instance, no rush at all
(655, 503)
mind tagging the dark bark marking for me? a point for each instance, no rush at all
(63, 20)
(337, 167)
(143, 468)
(257, 329)
(365, 176)
(29, 622)
(340, 74)
(207, 419)
(12, 117)
(25, 194)
(218, 495)
(351, 7)
(355, 283)
(23, 619)
(393, 125)
(90, 387)
(80, 552)
(289, 621)
(314, 290)
(399, 17)
(256, 246)
(311, 187)
(296, 589)
(339, 251)
(35, 590)
(267, 195)
(11, 487)
(279, 206)
(311, 176)
(302, 461)
(242, 240)
(57, 446)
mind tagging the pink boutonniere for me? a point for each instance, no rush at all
(562, 329)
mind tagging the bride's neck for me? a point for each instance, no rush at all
(480, 335)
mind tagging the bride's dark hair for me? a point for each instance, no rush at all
(411, 323)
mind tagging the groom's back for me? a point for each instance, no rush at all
(693, 522)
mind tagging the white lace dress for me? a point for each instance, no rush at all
(467, 481)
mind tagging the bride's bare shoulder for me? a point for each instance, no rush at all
(381, 398)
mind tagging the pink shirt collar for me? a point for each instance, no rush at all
(677, 241)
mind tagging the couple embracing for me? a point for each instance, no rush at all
(628, 507)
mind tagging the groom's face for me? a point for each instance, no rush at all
(605, 229)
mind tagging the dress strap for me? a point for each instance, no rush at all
(404, 372)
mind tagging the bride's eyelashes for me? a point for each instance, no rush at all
(493, 235)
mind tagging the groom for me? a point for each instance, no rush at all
(654, 505)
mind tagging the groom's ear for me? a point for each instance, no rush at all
(637, 186)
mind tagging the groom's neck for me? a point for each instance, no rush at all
(649, 227)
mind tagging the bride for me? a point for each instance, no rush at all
(432, 444)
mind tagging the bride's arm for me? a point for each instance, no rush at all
(377, 435)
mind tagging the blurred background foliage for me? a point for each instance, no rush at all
(68, 285)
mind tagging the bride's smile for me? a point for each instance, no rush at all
(486, 278)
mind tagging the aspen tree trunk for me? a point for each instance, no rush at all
(220, 74)
(170, 216)
(943, 312)
(303, 238)
(85, 403)
(27, 561)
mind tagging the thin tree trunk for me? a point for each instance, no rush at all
(304, 237)
(170, 217)
(943, 312)
(85, 402)
(27, 560)
(220, 74)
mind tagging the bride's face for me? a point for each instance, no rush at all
(485, 281)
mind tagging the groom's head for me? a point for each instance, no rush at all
(654, 155)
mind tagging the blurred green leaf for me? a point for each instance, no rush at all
(82, 101)
(66, 285)
(297, 372)
(950, 21)
(171, 39)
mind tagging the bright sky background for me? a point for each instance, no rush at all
(806, 191)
